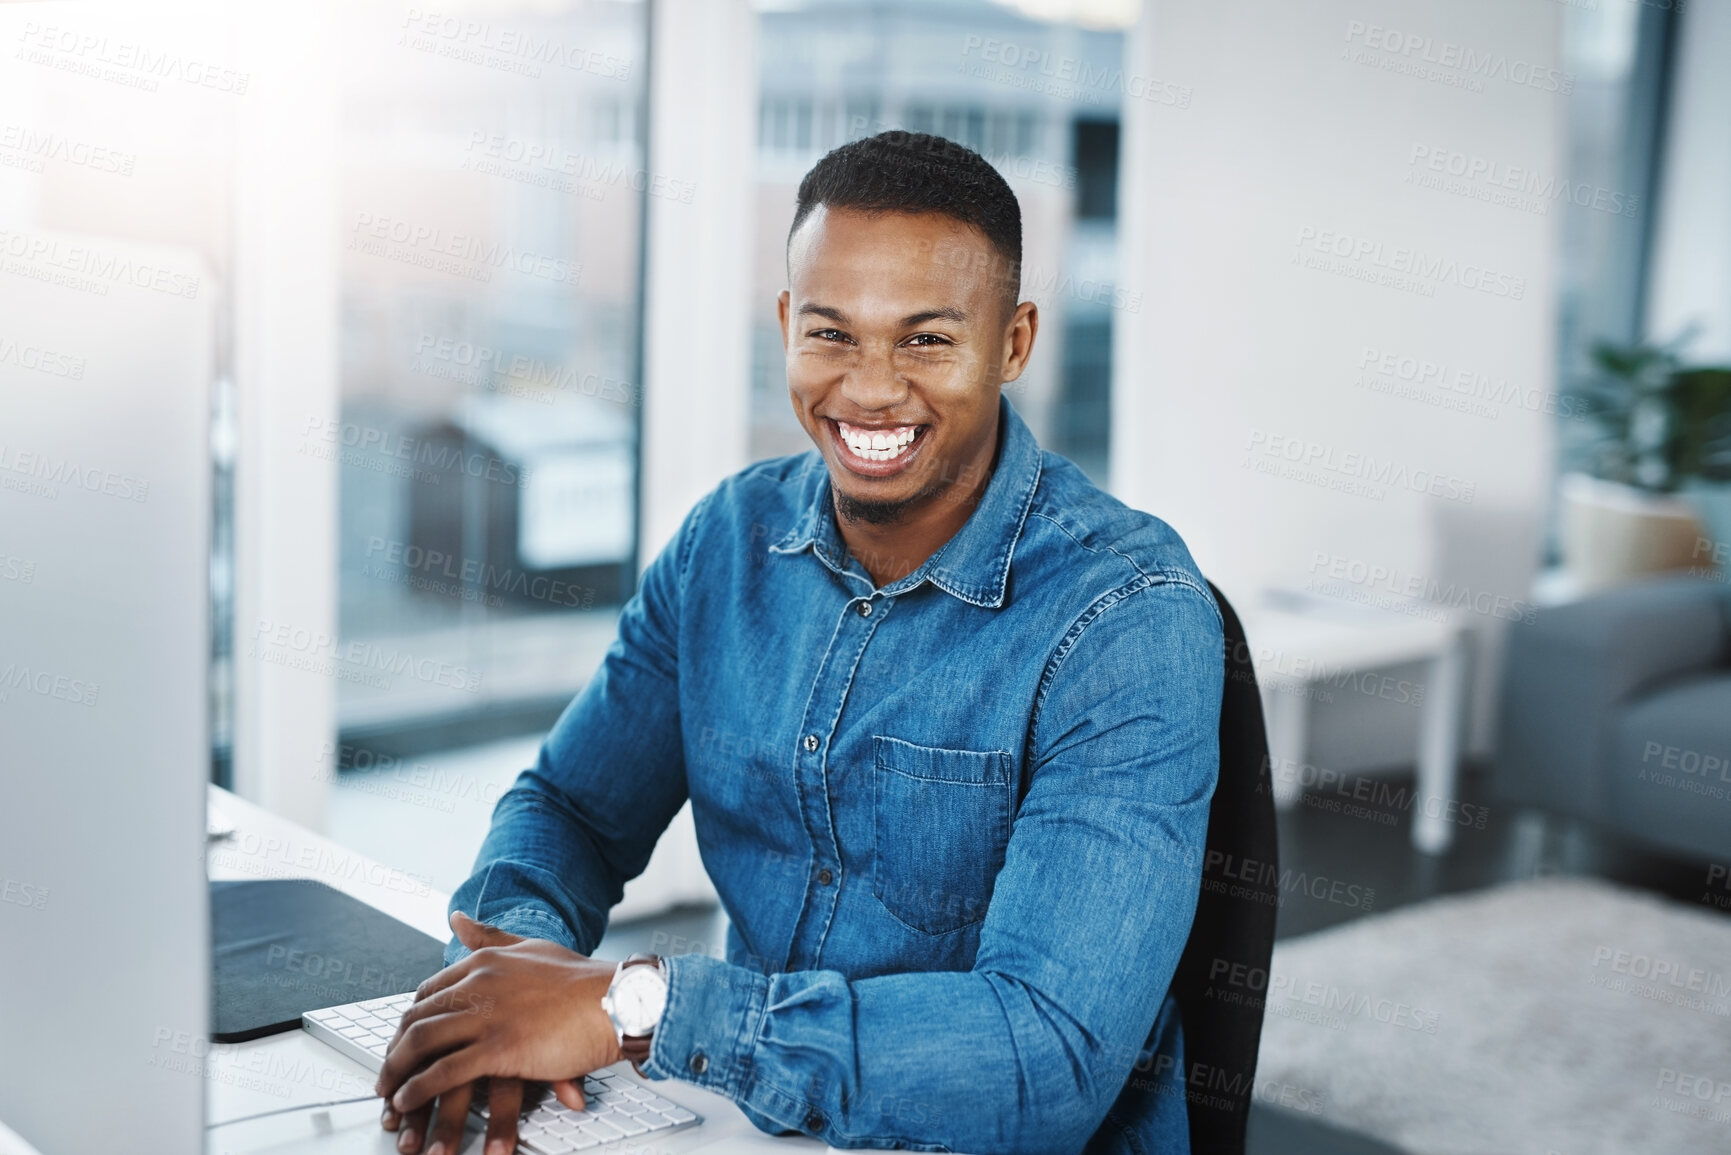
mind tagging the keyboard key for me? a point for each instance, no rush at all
(627, 1124)
(603, 1130)
(680, 1115)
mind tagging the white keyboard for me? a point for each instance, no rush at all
(618, 1104)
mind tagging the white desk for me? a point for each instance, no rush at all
(290, 1069)
(1296, 650)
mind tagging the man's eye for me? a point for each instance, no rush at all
(928, 339)
(829, 334)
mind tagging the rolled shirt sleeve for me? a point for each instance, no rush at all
(573, 830)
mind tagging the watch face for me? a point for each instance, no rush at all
(638, 998)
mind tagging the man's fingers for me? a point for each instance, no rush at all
(421, 1043)
(568, 1092)
(460, 1066)
(469, 932)
(414, 1129)
(450, 976)
(476, 935)
(453, 1109)
(504, 1100)
(454, 998)
(427, 1002)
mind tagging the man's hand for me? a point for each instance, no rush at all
(516, 1009)
(504, 1101)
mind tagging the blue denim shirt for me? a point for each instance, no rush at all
(956, 821)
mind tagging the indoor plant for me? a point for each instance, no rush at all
(1656, 497)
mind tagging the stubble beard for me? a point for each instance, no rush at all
(859, 509)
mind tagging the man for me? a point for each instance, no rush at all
(946, 714)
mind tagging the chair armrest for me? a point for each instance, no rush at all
(1570, 670)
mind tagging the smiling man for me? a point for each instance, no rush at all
(946, 714)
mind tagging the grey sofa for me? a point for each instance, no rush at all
(1616, 709)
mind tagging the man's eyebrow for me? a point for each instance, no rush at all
(946, 313)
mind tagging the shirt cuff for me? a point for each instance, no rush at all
(531, 920)
(709, 1027)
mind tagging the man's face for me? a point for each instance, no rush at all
(898, 337)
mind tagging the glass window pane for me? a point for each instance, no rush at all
(1610, 125)
(492, 177)
(926, 69)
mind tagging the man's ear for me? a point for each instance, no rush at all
(781, 307)
(1019, 337)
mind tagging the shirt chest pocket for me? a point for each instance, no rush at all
(941, 824)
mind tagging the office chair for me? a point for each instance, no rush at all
(1222, 976)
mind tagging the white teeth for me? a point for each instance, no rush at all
(878, 445)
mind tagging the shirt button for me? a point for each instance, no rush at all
(824, 877)
(813, 1121)
(811, 741)
(699, 1063)
(865, 609)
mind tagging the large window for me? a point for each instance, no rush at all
(1038, 98)
(1620, 55)
(492, 182)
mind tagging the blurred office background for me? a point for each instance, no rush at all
(1321, 285)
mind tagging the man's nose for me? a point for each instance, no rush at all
(873, 383)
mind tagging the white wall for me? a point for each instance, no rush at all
(1298, 147)
(285, 311)
(697, 314)
(1691, 271)
(697, 318)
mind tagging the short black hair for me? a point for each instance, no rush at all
(916, 172)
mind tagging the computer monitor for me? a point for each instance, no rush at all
(106, 351)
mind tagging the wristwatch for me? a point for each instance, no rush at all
(634, 1002)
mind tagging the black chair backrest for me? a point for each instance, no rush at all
(1222, 976)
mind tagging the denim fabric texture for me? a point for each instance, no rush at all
(956, 822)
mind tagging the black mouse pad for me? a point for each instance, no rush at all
(284, 946)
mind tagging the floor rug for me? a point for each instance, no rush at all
(1558, 1016)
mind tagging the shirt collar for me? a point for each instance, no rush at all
(974, 565)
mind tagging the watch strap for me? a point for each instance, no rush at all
(636, 1047)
